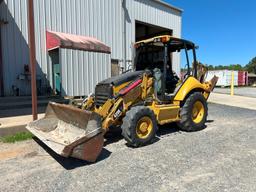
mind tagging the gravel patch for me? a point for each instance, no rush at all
(221, 157)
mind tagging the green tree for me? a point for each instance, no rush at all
(251, 66)
(210, 67)
(219, 67)
(236, 67)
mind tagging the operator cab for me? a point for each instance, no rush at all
(156, 55)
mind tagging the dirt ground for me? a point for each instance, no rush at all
(221, 157)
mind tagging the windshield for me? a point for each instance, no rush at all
(149, 57)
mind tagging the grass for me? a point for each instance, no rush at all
(17, 137)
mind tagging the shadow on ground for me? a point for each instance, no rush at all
(111, 137)
(116, 135)
(167, 129)
(19, 112)
(209, 121)
(71, 163)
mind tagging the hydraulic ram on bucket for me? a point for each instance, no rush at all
(70, 132)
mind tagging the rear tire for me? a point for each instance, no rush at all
(139, 126)
(193, 113)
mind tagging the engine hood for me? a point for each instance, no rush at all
(120, 79)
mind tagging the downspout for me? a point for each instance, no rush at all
(124, 35)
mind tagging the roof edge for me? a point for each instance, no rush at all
(168, 5)
(168, 36)
(55, 40)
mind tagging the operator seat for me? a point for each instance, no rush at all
(171, 81)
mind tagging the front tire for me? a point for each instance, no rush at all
(139, 126)
(193, 113)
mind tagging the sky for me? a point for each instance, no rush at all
(225, 30)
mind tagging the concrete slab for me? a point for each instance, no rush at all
(12, 125)
(241, 91)
(235, 101)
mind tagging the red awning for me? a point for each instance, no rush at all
(55, 40)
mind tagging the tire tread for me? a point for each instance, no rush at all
(130, 122)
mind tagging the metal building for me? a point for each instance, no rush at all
(117, 23)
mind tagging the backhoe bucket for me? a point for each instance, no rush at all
(70, 132)
(213, 82)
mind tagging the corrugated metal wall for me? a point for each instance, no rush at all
(153, 13)
(82, 70)
(14, 44)
(98, 18)
(89, 18)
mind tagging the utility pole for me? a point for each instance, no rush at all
(32, 56)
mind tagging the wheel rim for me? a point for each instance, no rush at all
(144, 127)
(198, 112)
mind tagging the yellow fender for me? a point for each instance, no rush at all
(189, 85)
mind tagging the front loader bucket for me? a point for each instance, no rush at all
(70, 132)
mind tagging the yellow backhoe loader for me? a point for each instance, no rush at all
(137, 102)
